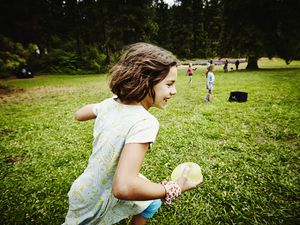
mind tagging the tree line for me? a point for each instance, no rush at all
(75, 36)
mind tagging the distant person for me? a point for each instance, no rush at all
(209, 62)
(190, 72)
(111, 189)
(237, 63)
(225, 66)
(25, 72)
(28, 73)
(210, 79)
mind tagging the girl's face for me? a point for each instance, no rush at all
(164, 90)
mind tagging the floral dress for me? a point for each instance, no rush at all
(90, 198)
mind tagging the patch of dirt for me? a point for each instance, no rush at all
(5, 132)
(14, 159)
(260, 139)
(12, 94)
(293, 144)
(6, 90)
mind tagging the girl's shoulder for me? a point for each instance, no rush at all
(103, 105)
(105, 102)
(129, 111)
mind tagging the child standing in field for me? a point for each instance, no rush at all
(190, 72)
(225, 67)
(210, 79)
(111, 188)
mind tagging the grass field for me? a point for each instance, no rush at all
(249, 152)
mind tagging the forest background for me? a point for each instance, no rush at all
(86, 36)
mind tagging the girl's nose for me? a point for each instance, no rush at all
(173, 90)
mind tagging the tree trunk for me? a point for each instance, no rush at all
(252, 63)
(107, 53)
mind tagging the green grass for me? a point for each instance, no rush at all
(249, 152)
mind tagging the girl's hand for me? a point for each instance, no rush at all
(185, 183)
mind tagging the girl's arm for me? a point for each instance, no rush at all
(208, 78)
(127, 185)
(85, 113)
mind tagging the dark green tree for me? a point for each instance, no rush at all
(195, 28)
(182, 28)
(200, 36)
(212, 26)
(122, 22)
(163, 19)
(23, 21)
(254, 29)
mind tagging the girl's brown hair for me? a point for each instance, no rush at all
(139, 69)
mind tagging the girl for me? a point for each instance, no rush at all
(111, 188)
(190, 72)
(210, 79)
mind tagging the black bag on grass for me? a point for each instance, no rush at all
(238, 96)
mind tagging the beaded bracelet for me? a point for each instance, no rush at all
(172, 191)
